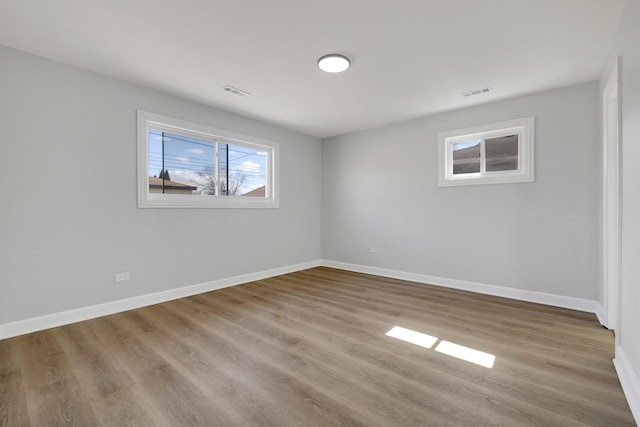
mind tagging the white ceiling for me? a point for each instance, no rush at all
(410, 58)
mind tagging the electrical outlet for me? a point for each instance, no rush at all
(121, 277)
(373, 249)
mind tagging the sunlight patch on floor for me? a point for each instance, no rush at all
(465, 353)
(413, 337)
(445, 347)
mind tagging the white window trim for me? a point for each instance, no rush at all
(523, 127)
(146, 120)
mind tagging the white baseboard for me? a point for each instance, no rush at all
(40, 323)
(34, 324)
(579, 304)
(629, 380)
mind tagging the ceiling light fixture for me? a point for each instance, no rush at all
(333, 63)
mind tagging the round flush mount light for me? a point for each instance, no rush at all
(333, 63)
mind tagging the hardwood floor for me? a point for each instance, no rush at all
(309, 349)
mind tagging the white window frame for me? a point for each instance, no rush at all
(524, 128)
(148, 121)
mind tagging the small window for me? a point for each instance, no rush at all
(186, 165)
(497, 153)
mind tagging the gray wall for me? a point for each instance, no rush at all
(379, 188)
(626, 44)
(68, 216)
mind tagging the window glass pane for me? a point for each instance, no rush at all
(501, 154)
(466, 157)
(243, 171)
(180, 164)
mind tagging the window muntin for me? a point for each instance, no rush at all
(183, 164)
(489, 154)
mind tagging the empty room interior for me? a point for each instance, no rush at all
(321, 213)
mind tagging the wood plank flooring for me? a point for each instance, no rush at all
(309, 349)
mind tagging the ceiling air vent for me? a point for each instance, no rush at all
(235, 91)
(476, 92)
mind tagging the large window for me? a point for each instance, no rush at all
(186, 165)
(490, 154)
